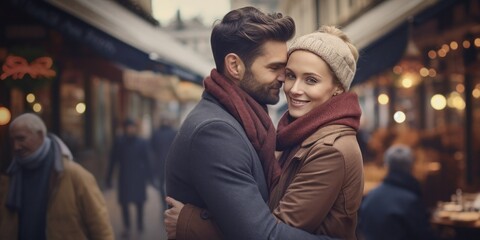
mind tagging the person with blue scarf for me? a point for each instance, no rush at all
(49, 196)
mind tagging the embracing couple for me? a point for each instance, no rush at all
(222, 164)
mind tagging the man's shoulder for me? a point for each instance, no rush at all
(209, 125)
(208, 113)
(76, 171)
(209, 106)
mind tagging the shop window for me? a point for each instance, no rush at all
(104, 100)
(72, 109)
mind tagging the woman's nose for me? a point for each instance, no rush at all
(296, 87)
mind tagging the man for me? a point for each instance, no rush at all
(223, 156)
(161, 141)
(132, 154)
(394, 210)
(49, 195)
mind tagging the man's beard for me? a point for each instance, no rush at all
(261, 93)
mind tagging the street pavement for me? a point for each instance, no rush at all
(153, 224)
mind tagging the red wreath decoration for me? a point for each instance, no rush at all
(16, 67)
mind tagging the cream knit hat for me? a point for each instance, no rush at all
(332, 49)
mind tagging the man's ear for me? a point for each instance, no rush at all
(234, 67)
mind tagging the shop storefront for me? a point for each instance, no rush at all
(429, 98)
(73, 88)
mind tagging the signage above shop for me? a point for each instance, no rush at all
(17, 67)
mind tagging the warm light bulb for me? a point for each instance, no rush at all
(30, 98)
(442, 53)
(446, 48)
(37, 107)
(407, 82)
(454, 45)
(383, 99)
(477, 42)
(80, 107)
(460, 88)
(476, 93)
(5, 116)
(399, 117)
(423, 72)
(438, 102)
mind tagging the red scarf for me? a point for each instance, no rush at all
(252, 116)
(342, 109)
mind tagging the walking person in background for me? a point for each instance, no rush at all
(223, 156)
(321, 183)
(394, 210)
(49, 196)
(161, 140)
(132, 154)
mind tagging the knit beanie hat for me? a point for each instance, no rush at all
(332, 49)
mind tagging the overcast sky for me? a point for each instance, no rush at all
(209, 10)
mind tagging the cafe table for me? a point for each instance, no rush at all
(457, 223)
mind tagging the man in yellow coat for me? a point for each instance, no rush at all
(48, 195)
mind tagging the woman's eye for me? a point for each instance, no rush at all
(311, 80)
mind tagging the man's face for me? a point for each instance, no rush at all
(264, 78)
(25, 141)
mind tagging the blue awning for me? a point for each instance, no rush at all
(133, 56)
(381, 54)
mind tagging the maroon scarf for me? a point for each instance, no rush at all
(252, 116)
(342, 109)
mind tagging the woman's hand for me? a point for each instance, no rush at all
(171, 217)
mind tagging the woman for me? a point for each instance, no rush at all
(321, 184)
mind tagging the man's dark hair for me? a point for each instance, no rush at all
(243, 31)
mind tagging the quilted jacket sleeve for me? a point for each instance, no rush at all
(93, 209)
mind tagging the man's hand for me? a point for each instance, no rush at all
(171, 217)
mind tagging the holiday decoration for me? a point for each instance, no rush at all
(17, 67)
(27, 68)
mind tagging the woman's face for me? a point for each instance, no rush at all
(309, 82)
